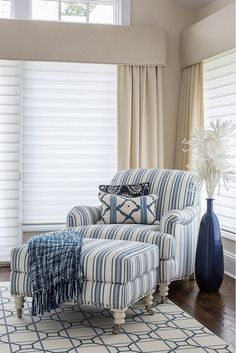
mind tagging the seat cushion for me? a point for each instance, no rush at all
(146, 233)
(133, 232)
(105, 260)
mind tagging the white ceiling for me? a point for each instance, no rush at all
(195, 4)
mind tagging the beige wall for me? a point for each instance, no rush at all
(211, 8)
(173, 17)
(208, 37)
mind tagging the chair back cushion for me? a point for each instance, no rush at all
(176, 188)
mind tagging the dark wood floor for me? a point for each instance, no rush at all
(215, 311)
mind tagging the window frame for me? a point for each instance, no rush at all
(23, 10)
(115, 3)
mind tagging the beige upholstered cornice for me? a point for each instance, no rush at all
(70, 42)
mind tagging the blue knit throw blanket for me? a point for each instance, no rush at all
(55, 270)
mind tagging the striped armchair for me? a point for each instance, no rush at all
(176, 231)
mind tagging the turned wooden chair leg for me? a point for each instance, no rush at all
(148, 302)
(163, 290)
(19, 304)
(192, 276)
(119, 320)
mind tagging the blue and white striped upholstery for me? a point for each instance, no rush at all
(104, 260)
(178, 213)
(117, 273)
(117, 296)
(178, 191)
(142, 233)
(166, 271)
(133, 232)
(183, 226)
(184, 217)
(176, 188)
(82, 215)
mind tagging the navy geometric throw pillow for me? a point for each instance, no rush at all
(134, 190)
(120, 209)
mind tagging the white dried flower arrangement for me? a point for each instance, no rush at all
(212, 147)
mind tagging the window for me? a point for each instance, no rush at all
(220, 102)
(5, 8)
(9, 156)
(69, 137)
(76, 11)
(64, 114)
(82, 11)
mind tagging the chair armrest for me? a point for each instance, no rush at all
(166, 244)
(83, 215)
(183, 217)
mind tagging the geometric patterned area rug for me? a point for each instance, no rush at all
(75, 329)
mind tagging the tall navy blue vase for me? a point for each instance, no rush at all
(209, 264)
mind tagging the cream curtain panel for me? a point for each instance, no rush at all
(190, 113)
(140, 117)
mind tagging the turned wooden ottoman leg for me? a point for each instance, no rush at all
(119, 320)
(19, 304)
(148, 301)
(163, 289)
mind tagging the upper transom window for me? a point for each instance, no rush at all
(80, 11)
(76, 11)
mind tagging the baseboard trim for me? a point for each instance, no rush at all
(230, 264)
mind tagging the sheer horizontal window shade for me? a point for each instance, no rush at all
(220, 102)
(69, 137)
(9, 156)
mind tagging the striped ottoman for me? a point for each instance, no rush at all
(117, 274)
